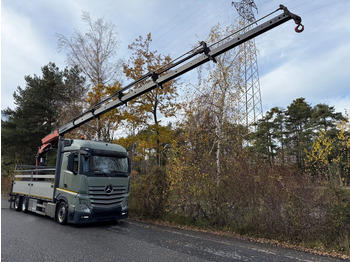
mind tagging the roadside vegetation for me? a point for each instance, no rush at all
(285, 178)
(306, 204)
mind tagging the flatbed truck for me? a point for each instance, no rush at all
(90, 183)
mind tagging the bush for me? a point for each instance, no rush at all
(149, 193)
(255, 199)
(6, 183)
(249, 197)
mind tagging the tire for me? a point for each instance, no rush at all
(18, 202)
(24, 206)
(62, 213)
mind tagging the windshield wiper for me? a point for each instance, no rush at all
(118, 173)
(100, 171)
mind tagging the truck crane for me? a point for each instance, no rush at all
(91, 179)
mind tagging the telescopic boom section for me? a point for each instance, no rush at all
(196, 58)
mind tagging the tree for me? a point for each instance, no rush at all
(286, 134)
(264, 137)
(94, 52)
(147, 110)
(279, 132)
(220, 88)
(149, 141)
(329, 156)
(324, 117)
(298, 127)
(75, 92)
(104, 126)
(37, 112)
(269, 138)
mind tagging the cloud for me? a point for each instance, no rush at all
(313, 64)
(320, 79)
(341, 104)
(19, 50)
(28, 43)
(22, 49)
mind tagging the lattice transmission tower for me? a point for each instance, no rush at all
(250, 102)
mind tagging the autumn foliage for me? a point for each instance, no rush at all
(252, 197)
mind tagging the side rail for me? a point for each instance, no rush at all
(33, 181)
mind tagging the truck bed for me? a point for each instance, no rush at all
(34, 181)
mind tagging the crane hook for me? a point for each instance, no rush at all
(297, 19)
(299, 28)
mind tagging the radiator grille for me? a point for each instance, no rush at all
(99, 198)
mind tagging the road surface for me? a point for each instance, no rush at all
(31, 237)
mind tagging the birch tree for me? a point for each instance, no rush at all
(221, 85)
(94, 52)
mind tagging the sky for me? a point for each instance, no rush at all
(314, 64)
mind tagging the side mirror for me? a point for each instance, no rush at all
(85, 154)
(73, 163)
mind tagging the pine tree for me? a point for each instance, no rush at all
(38, 109)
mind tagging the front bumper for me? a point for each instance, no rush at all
(97, 215)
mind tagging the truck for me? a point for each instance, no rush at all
(91, 179)
(89, 183)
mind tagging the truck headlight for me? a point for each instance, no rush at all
(125, 205)
(84, 207)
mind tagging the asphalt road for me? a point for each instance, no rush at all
(31, 237)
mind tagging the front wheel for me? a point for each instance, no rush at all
(18, 201)
(62, 213)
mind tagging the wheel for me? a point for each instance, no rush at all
(62, 212)
(24, 205)
(18, 201)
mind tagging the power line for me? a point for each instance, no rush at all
(320, 7)
(185, 34)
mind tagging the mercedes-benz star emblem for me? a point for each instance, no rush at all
(109, 189)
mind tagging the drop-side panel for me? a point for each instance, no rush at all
(42, 189)
(21, 186)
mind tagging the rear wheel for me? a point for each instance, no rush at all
(24, 205)
(62, 212)
(18, 201)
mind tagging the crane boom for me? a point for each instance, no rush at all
(198, 57)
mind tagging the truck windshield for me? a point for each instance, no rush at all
(104, 165)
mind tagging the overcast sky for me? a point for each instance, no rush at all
(314, 64)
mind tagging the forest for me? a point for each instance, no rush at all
(285, 178)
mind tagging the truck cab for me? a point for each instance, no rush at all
(92, 182)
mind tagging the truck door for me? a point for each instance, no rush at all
(69, 178)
